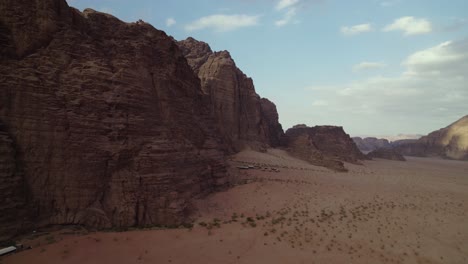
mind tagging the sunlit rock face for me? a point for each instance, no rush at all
(449, 142)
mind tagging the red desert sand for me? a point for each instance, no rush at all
(287, 211)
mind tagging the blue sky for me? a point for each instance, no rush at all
(375, 67)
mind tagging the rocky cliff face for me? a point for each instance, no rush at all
(371, 143)
(243, 117)
(12, 188)
(109, 122)
(271, 119)
(449, 142)
(322, 145)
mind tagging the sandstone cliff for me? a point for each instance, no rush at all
(109, 122)
(322, 145)
(12, 188)
(449, 142)
(243, 117)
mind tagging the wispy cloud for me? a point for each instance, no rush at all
(368, 66)
(282, 4)
(433, 79)
(356, 29)
(170, 22)
(223, 23)
(289, 7)
(448, 58)
(410, 26)
(288, 17)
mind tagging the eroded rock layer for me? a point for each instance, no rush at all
(109, 121)
(243, 117)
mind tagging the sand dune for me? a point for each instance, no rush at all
(287, 211)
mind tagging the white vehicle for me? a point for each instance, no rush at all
(7, 250)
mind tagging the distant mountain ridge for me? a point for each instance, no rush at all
(370, 143)
(367, 144)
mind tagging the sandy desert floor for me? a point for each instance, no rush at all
(382, 212)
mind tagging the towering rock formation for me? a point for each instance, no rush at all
(106, 119)
(243, 118)
(449, 142)
(322, 145)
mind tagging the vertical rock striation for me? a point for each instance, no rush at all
(109, 121)
(12, 188)
(243, 117)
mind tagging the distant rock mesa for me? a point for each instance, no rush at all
(371, 143)
(322, 146)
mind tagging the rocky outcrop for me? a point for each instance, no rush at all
(386, 153)
(322, 145)
(244, 119)
(371, 143)
(450, 142)
(109, 122)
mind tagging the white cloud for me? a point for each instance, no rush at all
(170, 22)
(410, 26)
(222, 23)
(282, 4)
(447, 58)
(368, 66)
(288, 17)
(291, 10)
(356, 29)
(433, 79)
